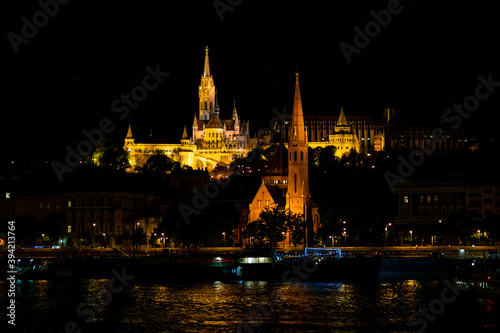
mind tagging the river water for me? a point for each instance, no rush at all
(260, 306)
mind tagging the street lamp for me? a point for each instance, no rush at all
(163, 239)
(345, 237)
(93, 232)
(104, 235)
(388, 225)
(224, 234)
(331, 243)
(411, 234)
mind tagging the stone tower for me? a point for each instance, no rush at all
(206, 92)
(298, 197)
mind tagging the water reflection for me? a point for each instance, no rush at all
(219, 306)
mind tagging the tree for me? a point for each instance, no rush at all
(158, 165)
(51, 226)
(69, 242)
(139, 237)
(327, 158)
(84, 239)
(297, 227)
(269, 152)
(271, 225)
(153, 239)
(108, 156)
(268, 227)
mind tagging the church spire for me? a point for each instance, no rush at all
(206, 92)
(129, 133)
(206, 70)
(298, 136)
(342, 121)
(235, 113)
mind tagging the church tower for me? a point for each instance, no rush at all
(298, 196)
(206, 92)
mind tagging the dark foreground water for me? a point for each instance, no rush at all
(147, 306)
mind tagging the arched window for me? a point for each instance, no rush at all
(295, 156)
(301, 155)
(295, 181)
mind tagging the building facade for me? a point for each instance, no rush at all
(285, 184)
(114, 215)
(431, 201)
(372, 136)
(211, 140)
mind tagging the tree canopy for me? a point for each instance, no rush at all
(272, 223)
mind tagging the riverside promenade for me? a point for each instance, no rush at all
(453, 251)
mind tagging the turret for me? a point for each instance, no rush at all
(206, 93)
(185, 139)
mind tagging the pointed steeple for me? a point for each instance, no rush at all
(298, 136)
(185, 134)
(342, 121)
(195, 121)
(206, 92)
(129, 133)
(342, 126)
(235, 113)
(206, 70)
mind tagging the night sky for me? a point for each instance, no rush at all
(66, 77)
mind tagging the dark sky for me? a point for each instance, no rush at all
(66, 77)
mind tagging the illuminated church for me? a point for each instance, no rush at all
(211, 140)
(285, 185)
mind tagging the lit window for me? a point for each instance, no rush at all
(69, 229)
(7, 195)
(69, 203)
(406, 199)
